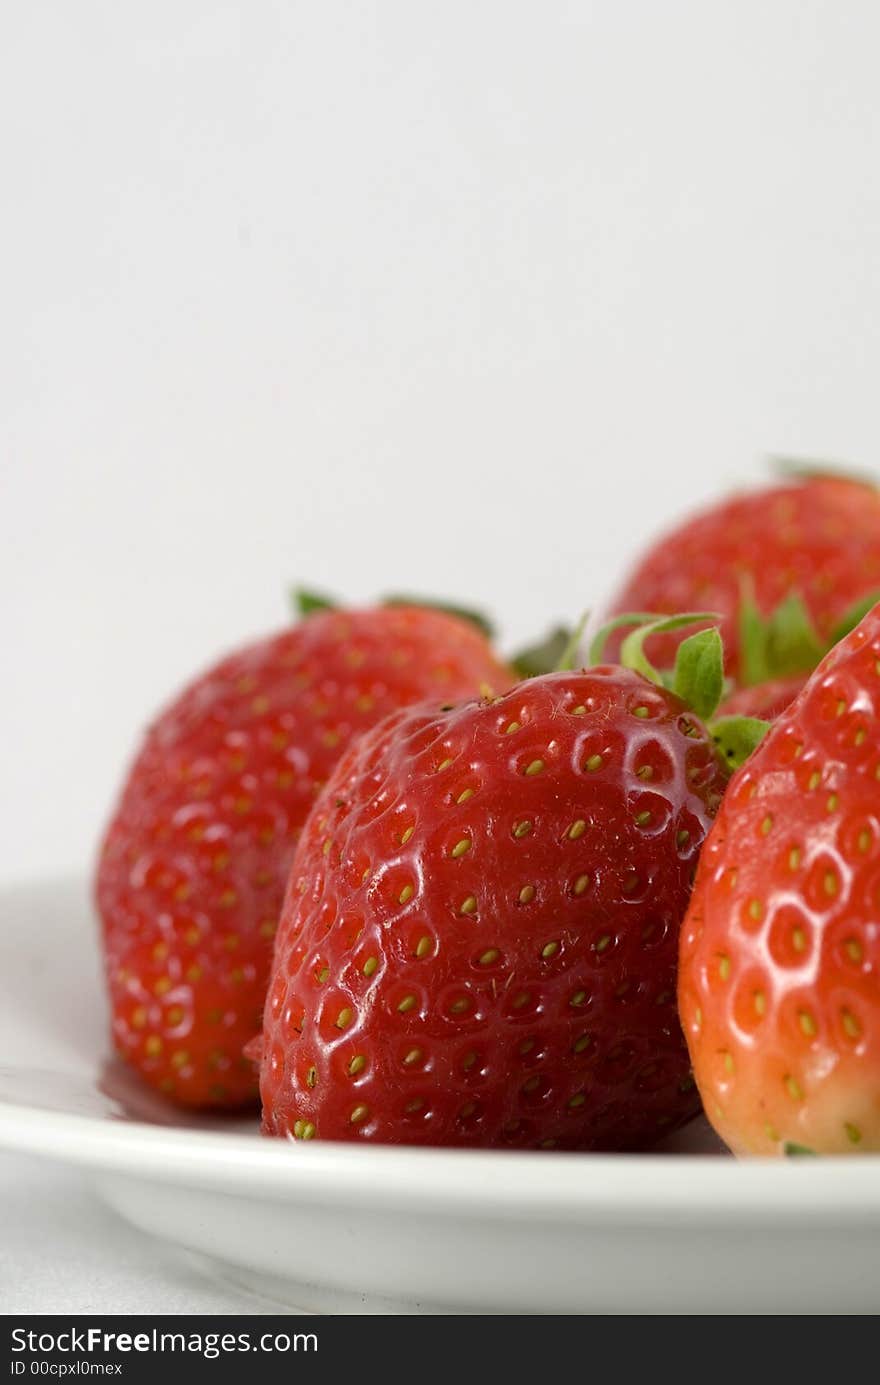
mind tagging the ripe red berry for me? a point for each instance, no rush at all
(818, 537)
(765, 700)
(780, 952)
(479, 938)
(192, 870)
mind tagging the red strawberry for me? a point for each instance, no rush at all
(193, 868)
(818, 537)
(478, 942)
(765, 700)
(780, 952)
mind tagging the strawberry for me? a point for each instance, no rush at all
(478, 942)
(192, 871)
(789, 569)
(780, 951)
(765, 700)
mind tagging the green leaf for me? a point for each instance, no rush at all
(851, 617)
(544, 657)
(793, 645)
(632, 651)
(796, 1151)
(698, 677)
(477, 618)
(596, 653)
(736, 737)
(752, 636)
(779, 645)
(305, 602)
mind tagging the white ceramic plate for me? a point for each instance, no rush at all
(329, 1227)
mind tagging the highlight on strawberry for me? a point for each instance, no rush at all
(194, 863)
(479, 938)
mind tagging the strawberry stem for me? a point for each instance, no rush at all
(569, 654)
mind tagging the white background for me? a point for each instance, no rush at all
(465, 298)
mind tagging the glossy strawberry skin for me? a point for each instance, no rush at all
(766, 701)
(478, 943)
(780, 951)
(819, 536)
(193, 867)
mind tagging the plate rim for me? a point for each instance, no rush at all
(695, 1188)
